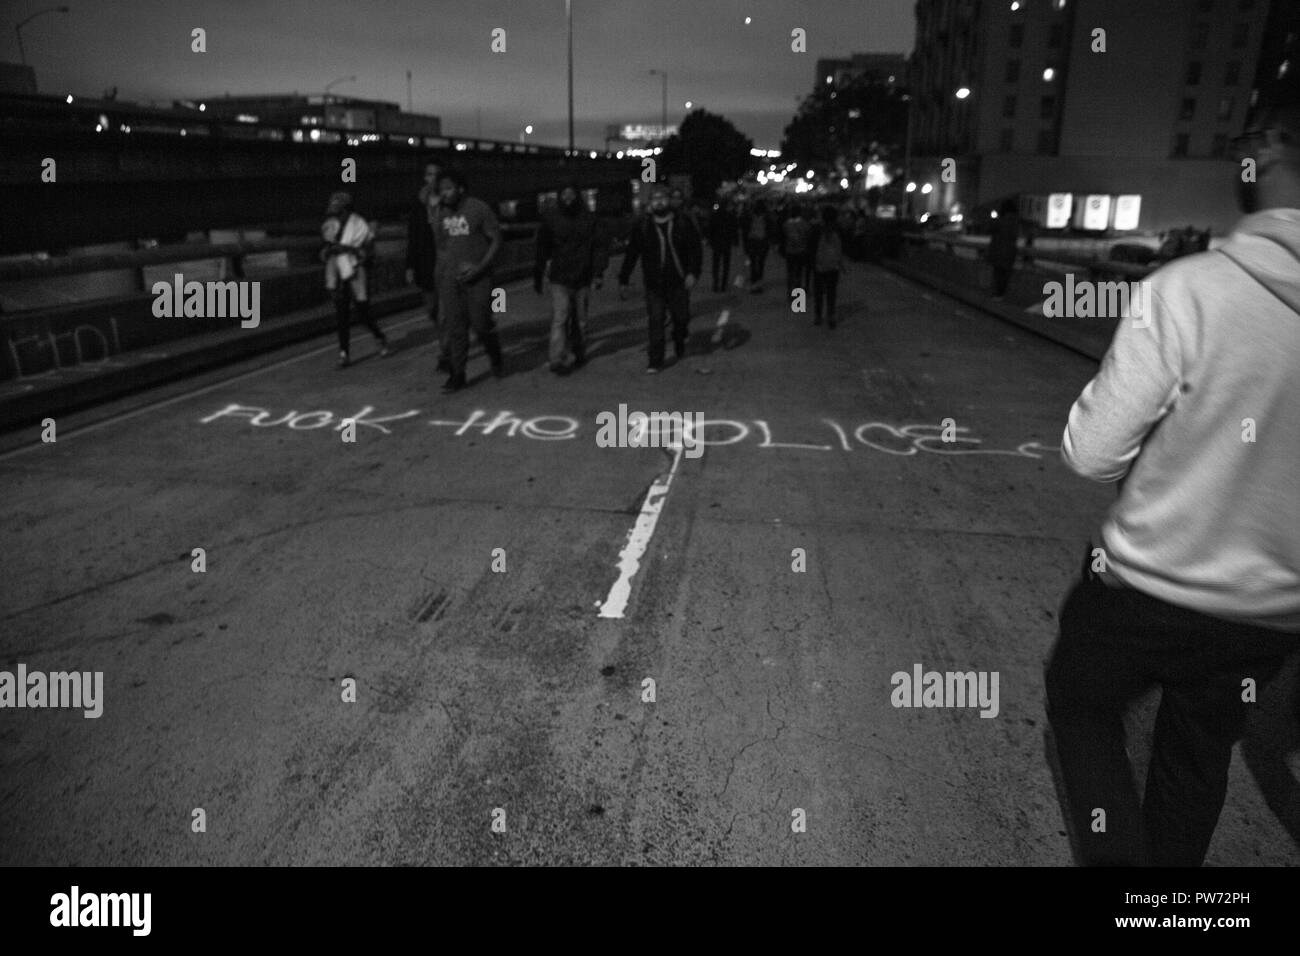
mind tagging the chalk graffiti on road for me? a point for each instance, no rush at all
(892, 439)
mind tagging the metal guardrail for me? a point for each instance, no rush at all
(43, 268)
(1032, 255)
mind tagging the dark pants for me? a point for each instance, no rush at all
(757, 252)
(667, 303)
(721, 267)
(796, 272)
(1001, 278)
(462, 307)
(1114, 644)
(344, 308)
(826, 287)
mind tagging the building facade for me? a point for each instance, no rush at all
(887, 68)
(324, 111)
(1112, 103)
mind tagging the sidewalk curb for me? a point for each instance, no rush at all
(215, 350)
(24, 410)
(1079, 344)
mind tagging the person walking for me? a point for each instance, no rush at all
(671, 255)
(348, 246)
(572, 256)
(723, 230)
(795, 232)
(1002, 247)
(422, 255)
(827, 245)
(1192, 582)
(758, 235)
(468, 238)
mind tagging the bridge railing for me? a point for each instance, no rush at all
(972, 247)
(94, 331)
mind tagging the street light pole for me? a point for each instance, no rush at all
(664, 74)
(907, 160)
(18, 30)
(568, 13)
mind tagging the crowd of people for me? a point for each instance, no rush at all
(453, 240)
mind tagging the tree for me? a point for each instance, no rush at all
(710, 150)
(840, 125)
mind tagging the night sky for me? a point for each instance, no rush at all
(746, 73)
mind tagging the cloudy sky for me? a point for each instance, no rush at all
(745, 72)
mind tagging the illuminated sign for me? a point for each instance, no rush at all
(1058, 210)
(1128, 209)
(645, 131)
(1093, 212)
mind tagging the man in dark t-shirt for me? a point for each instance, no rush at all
(468, 239)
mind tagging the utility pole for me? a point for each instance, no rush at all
(408, 91)
(568, 13)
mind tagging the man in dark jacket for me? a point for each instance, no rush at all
(422, 254)
(1002, 247)
(671, 256)
(723, 230)
(572, 255)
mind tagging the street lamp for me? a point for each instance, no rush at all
(526, 131)
(568, 16)
(18, 30)
(664, 74)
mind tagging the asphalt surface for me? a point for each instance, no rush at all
(479, 691)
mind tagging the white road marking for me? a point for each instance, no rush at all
(638, 539)
(153, 406)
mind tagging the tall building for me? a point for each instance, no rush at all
(1073, 104)
(324, 111)
(888, 68)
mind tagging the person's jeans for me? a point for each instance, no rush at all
(1001, 279)
(721, 267)
(344, 309)
(1114, 644)
(796, 273)
(568, 337)
(826, 287)
(439, 327)
(672, 304)
(463, 306)
(757, 253)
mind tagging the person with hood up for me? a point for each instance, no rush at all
(572, 256)
(1192, 581)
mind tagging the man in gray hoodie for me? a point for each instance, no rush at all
(1192, 581)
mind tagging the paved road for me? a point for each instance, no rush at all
(481, 691)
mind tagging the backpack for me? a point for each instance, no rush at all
(830, 251)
